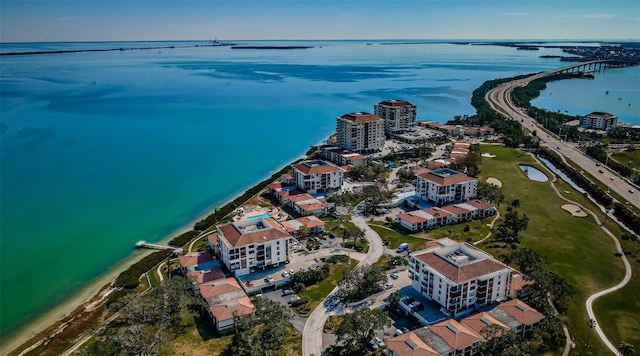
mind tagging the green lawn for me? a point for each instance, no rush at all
(624, 157)
(395, 238)
(317, 292)
(575, 248)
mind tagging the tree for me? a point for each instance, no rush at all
(394, 298)
(625, 349)
(627, 236)
(262, 333)
(528, 260)
(358, 327)
(360, 283)
(591, 324)
(303, 232)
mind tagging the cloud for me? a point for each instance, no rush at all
(599, 16)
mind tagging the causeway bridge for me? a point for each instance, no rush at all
(592, 66)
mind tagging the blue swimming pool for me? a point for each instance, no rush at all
(265, 215)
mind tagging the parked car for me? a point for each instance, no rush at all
(287, 291)
(404, 329)
(388, 286)
(403, 247)
(332, 236)
(398, 332)
(393, 275)
(378, 341)
(414, 304)
(293, 299)
(285, 274)
(371, 345)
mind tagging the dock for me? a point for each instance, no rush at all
(144, 244)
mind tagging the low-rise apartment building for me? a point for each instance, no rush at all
(458, 276)
(249, 244)
(317, 176)
(517, 316)
(598, 121)
(446, 338)
(444, 186)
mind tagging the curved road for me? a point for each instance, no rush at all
(313, 329)
(499, 99)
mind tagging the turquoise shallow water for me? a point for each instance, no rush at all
(101, 149)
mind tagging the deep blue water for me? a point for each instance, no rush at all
(101, 149)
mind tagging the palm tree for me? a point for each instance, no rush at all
(591, 324)
(625, 349)
(515, 203)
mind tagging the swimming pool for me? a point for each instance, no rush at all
(265, 215)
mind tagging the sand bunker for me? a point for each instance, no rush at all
(489, 155)
(574, 210)
(494, 181)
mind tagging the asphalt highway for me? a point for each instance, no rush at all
(499, 98)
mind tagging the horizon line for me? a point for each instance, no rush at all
(630, 40)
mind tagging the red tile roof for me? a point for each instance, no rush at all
(443, 178)
(194, 259)
(236, 238)
(411, 218)
(228, 310)
(360, 117)
(519, 281)
(410, 344)
(213, 239)
(479, 204)
(312, 207)
(455, 334)
(521, 312)
(479, 321)
(461, 273)
(395, 102)
(199, 277)
(308, 169)
(226, 285)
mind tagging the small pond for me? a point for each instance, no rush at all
(533, 173)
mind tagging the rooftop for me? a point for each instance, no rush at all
(395, 102)
(247, 232)
(445, 176)
(315, 167)
(360, 117)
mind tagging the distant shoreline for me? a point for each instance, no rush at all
(58, 51)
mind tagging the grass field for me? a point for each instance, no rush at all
(625, 157)
(317, 292)
(575, 248)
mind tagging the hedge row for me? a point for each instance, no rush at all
(183, 239)
(623, 213)
(130, 278)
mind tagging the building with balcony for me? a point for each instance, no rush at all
(458, 276)
(399, 115)
(360, 132)
(257, 243)
(445, 186)
(598, 121)
(317, 176)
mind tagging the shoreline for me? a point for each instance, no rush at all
(92, 288)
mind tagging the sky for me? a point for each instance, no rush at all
(125, 20)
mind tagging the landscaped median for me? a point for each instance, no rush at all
(317, 292)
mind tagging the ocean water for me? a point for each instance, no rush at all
(101, 149)
(582, 96)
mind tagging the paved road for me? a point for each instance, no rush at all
(499, 98)
(312, 334)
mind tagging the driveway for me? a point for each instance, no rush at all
(312, 336)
